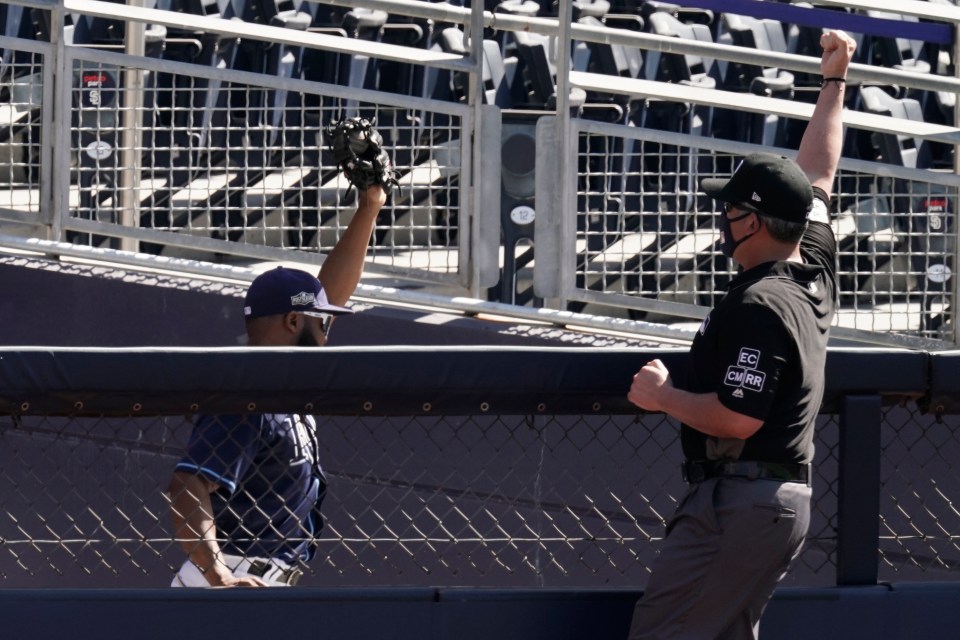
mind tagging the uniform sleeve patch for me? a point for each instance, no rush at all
(819, 211)
(745, 375)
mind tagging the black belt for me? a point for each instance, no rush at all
(699, 470)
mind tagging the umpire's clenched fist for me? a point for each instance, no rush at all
(649, 386)
(838, 49)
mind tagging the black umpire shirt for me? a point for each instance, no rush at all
(763, 350)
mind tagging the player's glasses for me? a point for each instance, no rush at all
(326, 320)
(730, 206)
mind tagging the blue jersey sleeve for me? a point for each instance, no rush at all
(221, 448)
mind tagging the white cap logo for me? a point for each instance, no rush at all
(302, 299)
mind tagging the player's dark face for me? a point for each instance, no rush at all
(312, 333)
(306, 337)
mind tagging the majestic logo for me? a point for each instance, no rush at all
(704, 325)
(302, 299)
(744, 374)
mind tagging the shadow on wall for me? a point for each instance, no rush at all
(51, 303)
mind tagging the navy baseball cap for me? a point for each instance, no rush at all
(284, 290)
(775, 186)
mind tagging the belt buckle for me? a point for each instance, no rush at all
(288, 576)
(270, 571)
(292, 576)
(753, 471)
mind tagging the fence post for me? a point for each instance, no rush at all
(858, 501)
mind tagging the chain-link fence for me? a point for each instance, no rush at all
(919, 521)
(431, 498)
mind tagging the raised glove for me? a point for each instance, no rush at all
(358, 150)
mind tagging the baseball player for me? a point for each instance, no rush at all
(245, 499)
(754, 388)
(246, 496)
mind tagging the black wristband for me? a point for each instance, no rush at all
(837, 80)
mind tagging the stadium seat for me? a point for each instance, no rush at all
(765, 35)
(400, 77)
(535, 81)
(596, 9)
(917, 57)
(610, 59)
(686, 15)
(603, 159)
(21, 84)
(305, 203)
(191, 116)
(674, 67)
(15, 24)
(675, 194)
(897, 149)
(753, 33)
(896, 53)
(921, 211)
(932, 242)
(527, 8)
(96, 120)
(872, 262)
(903, 150)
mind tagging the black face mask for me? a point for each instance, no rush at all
(727, 244)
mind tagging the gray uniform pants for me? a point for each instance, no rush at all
(726, 548)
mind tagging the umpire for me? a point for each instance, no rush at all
(754, 388)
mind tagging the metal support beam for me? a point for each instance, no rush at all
(858, 499)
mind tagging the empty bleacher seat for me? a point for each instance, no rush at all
(896, 53)
(96, 125)
(670, 182)
(535, 83)
(900, 149)
(764, 35)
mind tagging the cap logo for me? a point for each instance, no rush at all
(302, 299)
(756, 197)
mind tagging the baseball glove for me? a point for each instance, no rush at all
(358, 151)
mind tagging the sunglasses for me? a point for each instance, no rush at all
(326, 319)
(730, 206)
